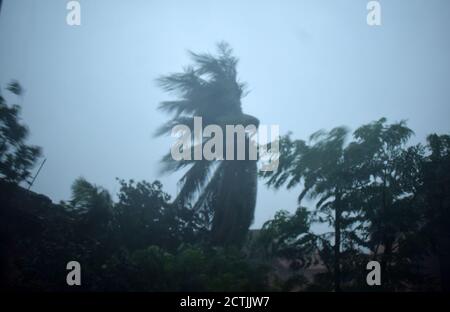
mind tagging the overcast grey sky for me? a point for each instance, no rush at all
(91, 97)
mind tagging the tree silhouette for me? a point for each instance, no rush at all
(436, 182)
(92, 202)
(374, 192)
(224, 190)
(389, 198)
(323, 168)
(16, 157)
(144, 217)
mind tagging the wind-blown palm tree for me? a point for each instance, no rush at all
(92, 203)
(224, 189)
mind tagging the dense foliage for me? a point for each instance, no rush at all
(378, 196)
(139, 243)
(16, 157)
(374, 193)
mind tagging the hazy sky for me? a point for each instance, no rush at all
(91, 97)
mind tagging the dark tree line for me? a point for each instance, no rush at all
(383, 200)
(143, 241)
(381, 197)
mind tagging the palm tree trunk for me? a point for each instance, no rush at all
(387, 240)
(235, 203)
(337, 244)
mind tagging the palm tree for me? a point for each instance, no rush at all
(92, 203)
(322, 168)
(224, 190)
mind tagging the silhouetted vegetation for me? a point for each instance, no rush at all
(16, 157)
(210, 89)
(380, 197)
(370, 191)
